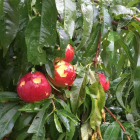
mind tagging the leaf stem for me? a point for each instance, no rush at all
(116, 120)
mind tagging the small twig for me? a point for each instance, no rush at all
(117, 121)
(97, 52)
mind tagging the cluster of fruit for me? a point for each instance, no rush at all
(34, 87)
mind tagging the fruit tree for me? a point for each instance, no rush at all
(69, 70)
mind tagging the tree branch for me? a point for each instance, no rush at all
(97, 52)
(117, 121)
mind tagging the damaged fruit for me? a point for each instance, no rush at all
(64, 74)
(105, 83)
(69, 54)
(33, 87)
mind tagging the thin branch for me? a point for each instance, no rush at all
(97, 52)
(117, 121)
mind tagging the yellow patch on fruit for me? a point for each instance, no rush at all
(37, 80)
(61, 70)
(47, 93)
(68, 47)
(22, 83)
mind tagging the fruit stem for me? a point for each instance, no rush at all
(116, 120)
(53, 106)
(33, 70)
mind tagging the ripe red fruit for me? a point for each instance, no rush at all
(69, 54)
(64, 74)
(33, 87)
(105, 84)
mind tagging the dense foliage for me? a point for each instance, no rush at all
(105, 35)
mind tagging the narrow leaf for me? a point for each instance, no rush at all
(112, 131)
(37, 125)
(10, 96)
(119, 91)
(8, 120)
(57, 124)
(64, 120)
(9, 22)
(87, 10)
(70, 134)
(78, 92)
(69, 17)
(36, 55)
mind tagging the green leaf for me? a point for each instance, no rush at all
(119, 10)
(107, 21)
(136, 81)
(60, 6)
(128, 53)
(36, 55)
(78, 93)
(69, 16)
(8, 120)
(119, 91)
(134, 108)
(37, 106)
(6, 107)
(7, 76)
(132, 2)
(70, 134)
(85, 131)
(57, 124)
(47, 27)
(87, 10)
(112, 131)
(61, 136)
(23, 121)
(23, 134)
(63, 104)
(92, 43)
(37, 125)
(92, 104)
(117, 81)
(68, 115)
(97, 92)
(124, 21)
(120, 64)
(64, 40)
(10, 96)
(9, 22)
(64, 120)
